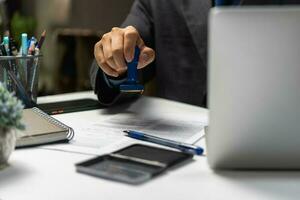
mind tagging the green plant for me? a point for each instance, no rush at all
(22, 24)
(10, 110)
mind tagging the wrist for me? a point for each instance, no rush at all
(115, 82)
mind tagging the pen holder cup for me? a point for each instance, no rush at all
(19, 74)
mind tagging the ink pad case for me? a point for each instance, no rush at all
(134, 164)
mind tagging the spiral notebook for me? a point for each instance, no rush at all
(41, 128)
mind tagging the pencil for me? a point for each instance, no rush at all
(41, 41)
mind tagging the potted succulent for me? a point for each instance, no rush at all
(10, 120)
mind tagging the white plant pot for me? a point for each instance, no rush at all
(7, 145)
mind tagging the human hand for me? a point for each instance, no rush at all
(117, 47)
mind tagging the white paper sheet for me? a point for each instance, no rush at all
(98, 132)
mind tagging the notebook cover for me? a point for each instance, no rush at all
(41, 128)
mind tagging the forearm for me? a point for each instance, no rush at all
(107, 89)
(105, 92)
(141, 18)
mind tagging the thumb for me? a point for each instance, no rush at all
(147, 56)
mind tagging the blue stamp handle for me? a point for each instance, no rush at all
(132, 67)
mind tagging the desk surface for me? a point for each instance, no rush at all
(38, 173)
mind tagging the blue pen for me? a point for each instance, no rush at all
(227, 2)
(24, 52)
(187, 148)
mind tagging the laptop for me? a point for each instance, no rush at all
(254, 88)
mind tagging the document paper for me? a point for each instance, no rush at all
(101, 131)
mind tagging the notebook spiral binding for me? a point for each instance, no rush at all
(55, 122)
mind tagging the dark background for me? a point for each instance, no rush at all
(73, 27)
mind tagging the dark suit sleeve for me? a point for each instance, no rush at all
(140, 17)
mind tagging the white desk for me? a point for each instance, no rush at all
(37, 174)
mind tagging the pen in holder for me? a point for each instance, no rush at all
(20, 75)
